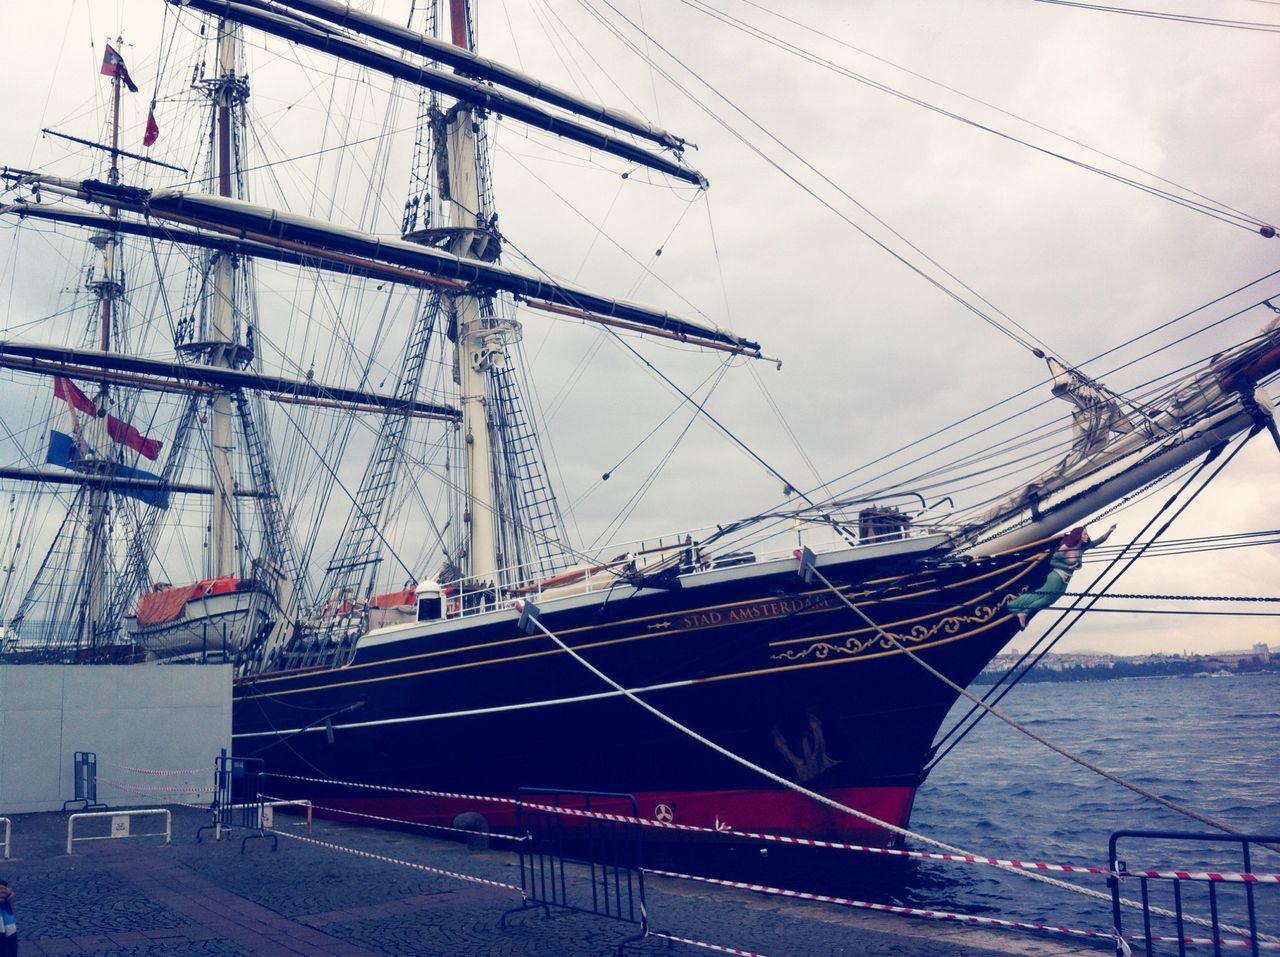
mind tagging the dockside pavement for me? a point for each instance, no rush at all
(137, 898)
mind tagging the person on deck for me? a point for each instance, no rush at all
(1065, 560)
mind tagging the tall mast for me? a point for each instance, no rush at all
(222, 561)
(107, 288)
(480, 343)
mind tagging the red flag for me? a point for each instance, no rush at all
(66, 390)
(153, 131)
(113, 65)
(126, 434)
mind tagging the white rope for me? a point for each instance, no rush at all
(822, 798)
(1016, 725)
(1163, 912)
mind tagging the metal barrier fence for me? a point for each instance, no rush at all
(238, 800)
(120, 825)
(1229, 896)
(268, 810)
(85, 779)
(8, 830)
(581, 864)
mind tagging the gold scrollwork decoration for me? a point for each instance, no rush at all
(889, 641)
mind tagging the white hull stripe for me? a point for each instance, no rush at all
(522, 706)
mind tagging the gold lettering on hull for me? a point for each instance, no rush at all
(756, 611)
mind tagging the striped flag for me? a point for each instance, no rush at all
(113, 65)
(119, 430)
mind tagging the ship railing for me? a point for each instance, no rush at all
(620, 564)
(629, 561)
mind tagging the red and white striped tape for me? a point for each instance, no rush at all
(395, 860)
(721, 948)
(164, 771)
(804, 841)
(396, 820)
(926, 855)
(1207, 876)
(394, 790)
(481, 880)
(722, 831)
(194, 789)
(961, 918)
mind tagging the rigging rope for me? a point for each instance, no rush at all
(1152, 597)
(1025, 342)
(529, 614)
(991, 106)
(886, 457)
(1219, 211)
(1251, 25)
(1080, 611)
(728, 433)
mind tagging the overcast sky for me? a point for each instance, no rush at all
(874, 356)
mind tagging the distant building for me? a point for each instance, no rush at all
(1259, 653)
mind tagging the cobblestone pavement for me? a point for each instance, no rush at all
(137, 898)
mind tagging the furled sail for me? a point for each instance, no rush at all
(467, 62)
(334, 43)
(92, 363)
(272, 226)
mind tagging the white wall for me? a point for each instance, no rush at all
(151, 717)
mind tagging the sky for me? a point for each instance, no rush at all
(874, 357)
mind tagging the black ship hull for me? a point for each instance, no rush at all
(780, 672)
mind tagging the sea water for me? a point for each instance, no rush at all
(1211, 744)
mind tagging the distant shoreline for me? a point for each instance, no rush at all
(1206, 667)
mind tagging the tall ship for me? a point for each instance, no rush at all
(292, 426)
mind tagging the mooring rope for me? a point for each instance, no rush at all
(798, 788)
(1018, 725)
(533, 620)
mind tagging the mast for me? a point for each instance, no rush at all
(480, 344)
(236, 412)
(221, 316)
(107, 288)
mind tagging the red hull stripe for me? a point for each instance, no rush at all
(773, 811)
